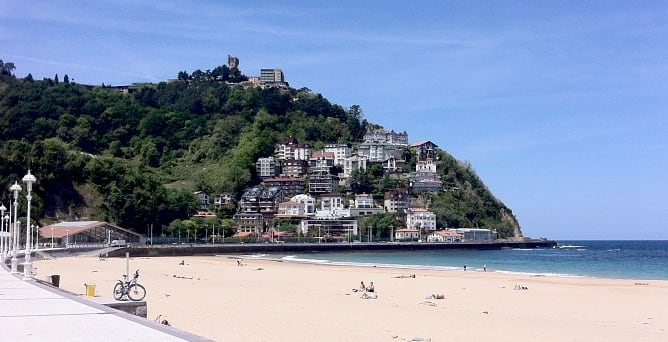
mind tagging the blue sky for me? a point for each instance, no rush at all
(560, 106)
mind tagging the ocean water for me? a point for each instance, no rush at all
(602, 259)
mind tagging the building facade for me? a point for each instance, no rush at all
(292, 149)
(419, 218)
(267, 167)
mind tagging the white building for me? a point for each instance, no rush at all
(267, 167)
(406, 234)
(353, 163)
(307, 201)
(419, 218)
(292, 149)
(363, 201)
(341, 152)
(332, 206)
(291, 209)
(444, 236)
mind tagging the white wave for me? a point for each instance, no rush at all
(292, 258)
(541, 274)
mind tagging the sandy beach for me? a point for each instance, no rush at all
(268, 300)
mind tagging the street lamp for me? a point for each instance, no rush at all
(52, 237)
(67, 237)
(27, 267)
(16, 188)
(2, 232)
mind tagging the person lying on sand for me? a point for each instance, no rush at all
(406, 276)
(367, 295)
(436, 296)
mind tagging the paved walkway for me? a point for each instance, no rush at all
(30, 311)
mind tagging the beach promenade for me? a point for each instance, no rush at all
(31, 311)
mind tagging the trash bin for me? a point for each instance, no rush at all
(55, 280)
(90, 290)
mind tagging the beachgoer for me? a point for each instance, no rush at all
(366, 295)
(362, 286)
(239, 262)
(182, 263)
(464, 267)
(484, 268)
(370, 288)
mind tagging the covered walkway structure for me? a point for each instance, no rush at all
(85, 233)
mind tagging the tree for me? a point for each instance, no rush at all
(6, 68)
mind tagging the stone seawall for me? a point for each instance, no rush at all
(254, 248)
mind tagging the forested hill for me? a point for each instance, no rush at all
(136, 159)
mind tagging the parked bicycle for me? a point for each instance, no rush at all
(130, 288)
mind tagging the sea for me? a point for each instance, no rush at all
(642, 260)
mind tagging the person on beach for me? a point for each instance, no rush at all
(362, 286)
(370, 288)
(484, 268)
(367, 295)
(406, 276)
(464, 267)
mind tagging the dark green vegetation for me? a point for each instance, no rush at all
(136, 159)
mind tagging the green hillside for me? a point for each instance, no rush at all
(136, 158)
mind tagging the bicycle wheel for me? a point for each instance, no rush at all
(136, 292)
(118, 291)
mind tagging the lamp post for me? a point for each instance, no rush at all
(67, 237)
(2, 232)
(51, 236)
(16, 188)
(27, 267)
(391, 233)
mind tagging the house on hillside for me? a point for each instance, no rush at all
(267, 167)
(420, 218)
(294, 168)
(203, 199)
(340, 151)
(396, 200)
(292, 149)
(291, 186)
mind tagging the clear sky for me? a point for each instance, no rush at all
(560, 106)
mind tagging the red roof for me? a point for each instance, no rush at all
(68, 228)
(422, 143)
